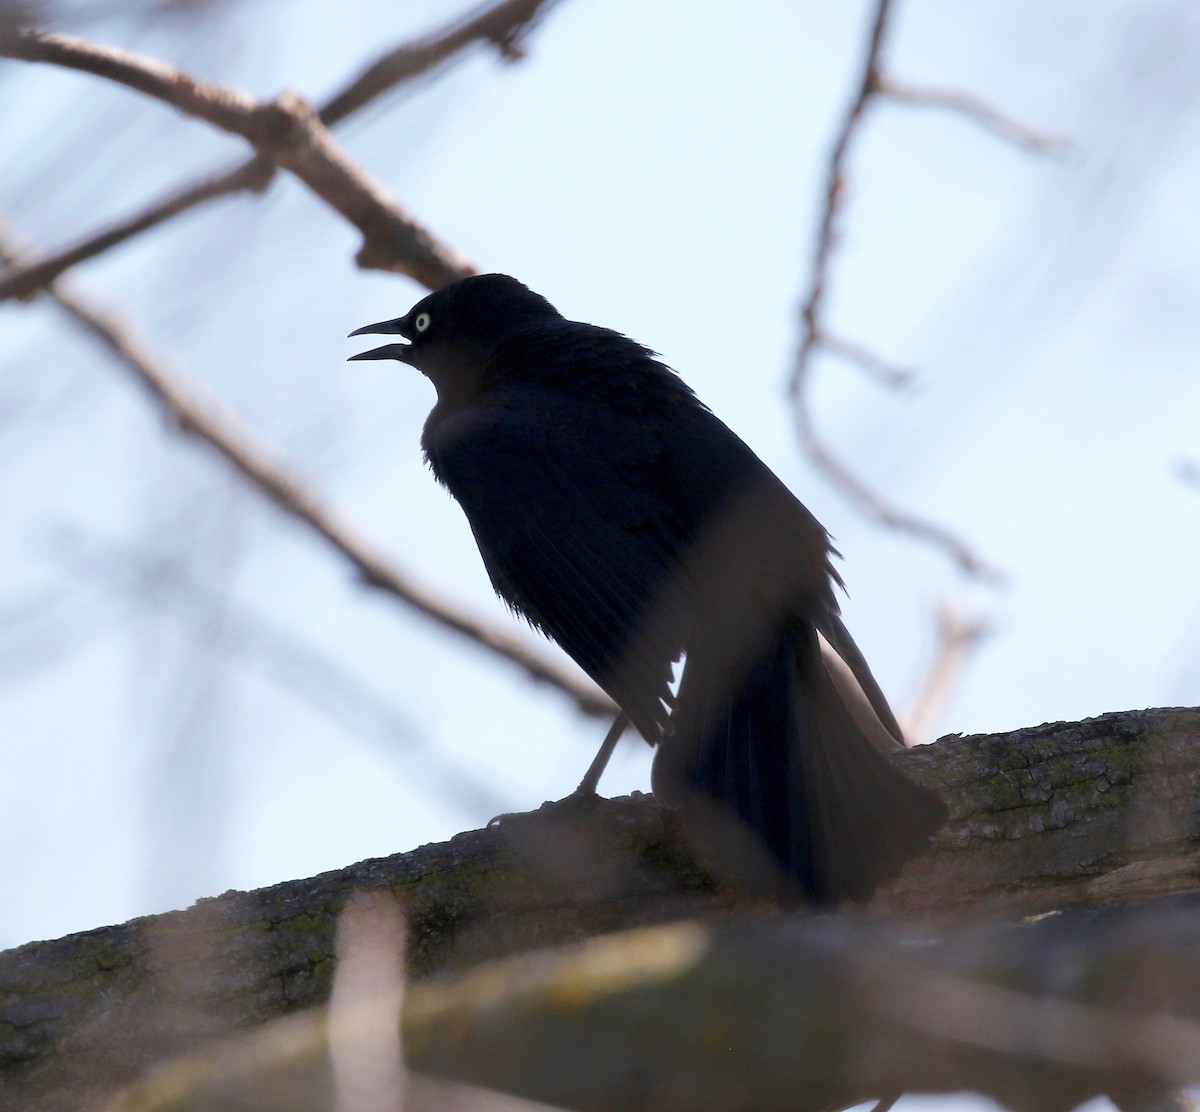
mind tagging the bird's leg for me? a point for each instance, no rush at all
(585, 794)
(591, 778)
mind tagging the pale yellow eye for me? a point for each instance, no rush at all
(423, 321)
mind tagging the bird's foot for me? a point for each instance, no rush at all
(581, 801)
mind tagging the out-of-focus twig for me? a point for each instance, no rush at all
(365, 1056)
(1189, 472)
(814, 336)
(504, 24)
(196, 412)
(26, 279)
(815, 333)
(286, 131)
(307, 672)
(876, 507)
(862, 356)
(958, 637)
(979, 111)
(346, 1057)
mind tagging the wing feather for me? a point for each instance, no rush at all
(573, 538)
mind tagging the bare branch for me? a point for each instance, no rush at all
(24, 279)
(874, 506)
(815, 336)
(196, 412)
(834, 182)
(307, 672)
(287, 131)
(504, 23)
(977, 110)
(958, 637)
(225, 107)
(862, 356)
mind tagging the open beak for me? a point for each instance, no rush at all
(397, 327)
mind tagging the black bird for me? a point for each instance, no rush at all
(619, 516)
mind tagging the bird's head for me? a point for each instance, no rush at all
(449, 335)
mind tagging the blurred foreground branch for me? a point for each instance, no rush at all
(1067, 816)
(1040, 1017)
(793, 1014)
(199, 414)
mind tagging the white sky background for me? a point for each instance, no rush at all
(654, 167)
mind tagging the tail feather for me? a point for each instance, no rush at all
(776, 762)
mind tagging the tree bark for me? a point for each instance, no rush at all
(1059, 816)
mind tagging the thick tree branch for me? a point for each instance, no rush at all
(505, 24)
(199, 414)
(285, 130)
(1045, 819)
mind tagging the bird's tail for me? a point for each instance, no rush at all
(775, 776)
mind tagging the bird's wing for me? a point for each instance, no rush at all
(764, 550)
(564, 501)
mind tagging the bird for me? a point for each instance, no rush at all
(618, 515)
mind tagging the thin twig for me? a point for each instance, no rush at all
(285, 130)
(874, 506)
(977, 110)
(197, 412)
(505, 24)
(816, 336)
(862, 356)
(23, 280)
(834, 183)
(958, 637)
(310, 673)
